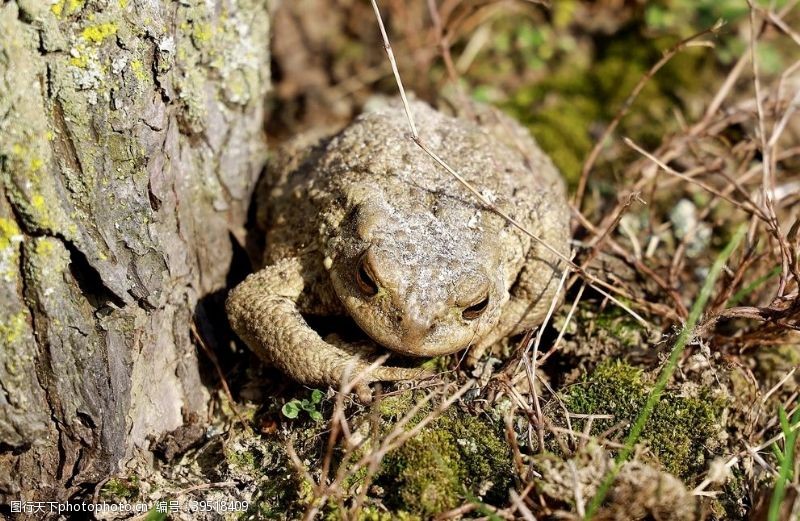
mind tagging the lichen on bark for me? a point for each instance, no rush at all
(130, 140)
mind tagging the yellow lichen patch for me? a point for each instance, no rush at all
(81, 61)
(66, 7)
(202, 32)
(42, 210)
(138, 70)
(38, 202)
(9, 238)
(12, 329)
(9, 231)
(98, 33)
(25, 160)
(23, 155)
(43, 248)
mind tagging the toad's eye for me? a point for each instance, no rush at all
(365, 280)
(474, 311)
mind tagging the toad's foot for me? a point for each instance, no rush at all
(263, 311)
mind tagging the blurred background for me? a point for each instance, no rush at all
(563, 68)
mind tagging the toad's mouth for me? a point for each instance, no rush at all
(345, 333)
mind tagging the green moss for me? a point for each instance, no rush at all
(121, 488)
(395, 406)
(373, 514)
(774, 362)
(728, 505)
(457, 457)
(246, 459)
(437, 364)
(282, 492)
(678, 430)
(561, 131)
(619, 324)
(332, 512)
(426, 473)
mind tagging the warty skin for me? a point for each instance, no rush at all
(365, 224)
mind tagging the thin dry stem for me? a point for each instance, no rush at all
(666, 168)
(388, 47)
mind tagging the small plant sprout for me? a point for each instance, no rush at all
(292, 408)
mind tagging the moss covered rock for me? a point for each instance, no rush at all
(457, 458)
(680, 430)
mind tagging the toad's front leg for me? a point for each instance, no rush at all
(263, 311)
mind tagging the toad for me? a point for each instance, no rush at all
(366, 225)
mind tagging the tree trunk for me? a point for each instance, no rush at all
(131, 135)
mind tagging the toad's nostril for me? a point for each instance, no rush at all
(414, 329)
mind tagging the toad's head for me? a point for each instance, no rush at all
(419, 283)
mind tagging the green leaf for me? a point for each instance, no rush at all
(776, 451)
(796, 417)
(785, 427)
(155, 515)
(315, 415)
(291, 409)
(316, 396)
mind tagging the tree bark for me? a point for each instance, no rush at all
(131, 136)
